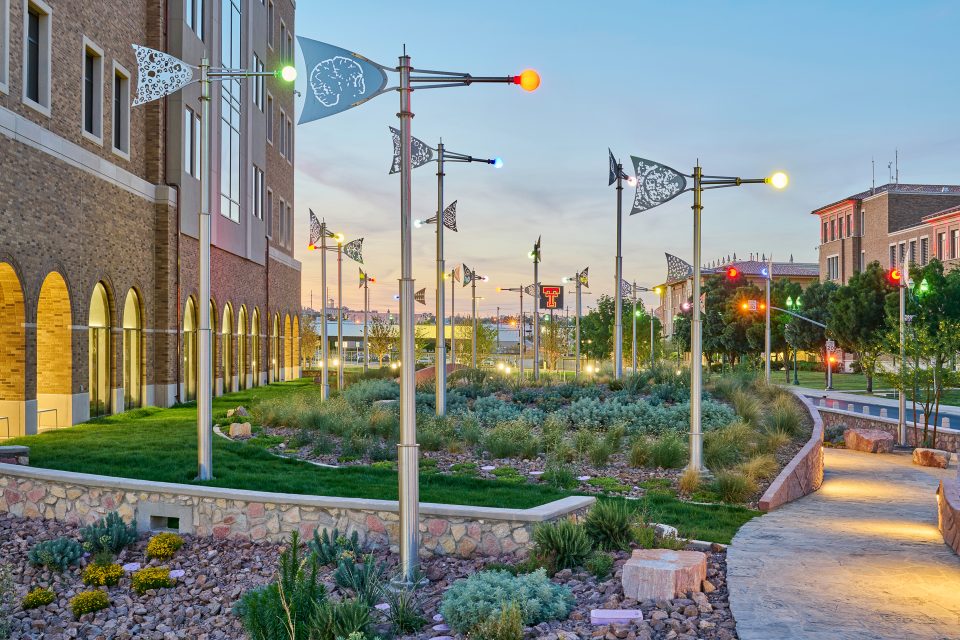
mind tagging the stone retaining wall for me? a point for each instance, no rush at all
(257, 515)
(948, 513)
(947, 439)
(803, 474)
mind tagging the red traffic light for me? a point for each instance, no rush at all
(894, 276)
(732, 273)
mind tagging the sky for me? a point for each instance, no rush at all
(816, 89)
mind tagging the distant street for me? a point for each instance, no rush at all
(841, 400)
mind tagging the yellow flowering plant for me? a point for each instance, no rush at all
(151, 578)
(163, 545)
(102, 575)
(88, 601)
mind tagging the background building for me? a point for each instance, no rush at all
(892, 224)
(99, 201)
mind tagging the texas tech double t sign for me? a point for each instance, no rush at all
(551, 296)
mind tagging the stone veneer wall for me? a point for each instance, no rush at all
(257, 515)
(803, 474)
(948, 512)
(947, 439)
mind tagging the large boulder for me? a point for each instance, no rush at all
(931, 457)
(869, 440)
(240, 430)
(662, 574)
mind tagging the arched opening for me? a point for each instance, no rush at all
(287, 348)
(295, 355)
(242, 348)
(213, 351)
(226, 348)
(54, 355)
(255, 348)
(189, 370)
(98, 360)
(12, 354)
(276, 356)
(132, 352)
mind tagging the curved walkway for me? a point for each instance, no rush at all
(860, 559)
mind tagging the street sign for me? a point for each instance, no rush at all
(551, 296)
(831, 346)
(753, 306)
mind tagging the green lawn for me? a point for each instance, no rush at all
(160, 445)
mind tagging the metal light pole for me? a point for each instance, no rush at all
(766, 334)
(901, 395)
(617, 175)
(364, 279)
(634, 335)
(325, 338)
(453, 317)
(582, 280)
(339, 313)
(521, 328)
(535, 254)
(657, 184)
(498, 329)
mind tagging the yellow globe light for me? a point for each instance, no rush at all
(288, 73)
(657, 290)
(507, 370)
(339, 237)
(779, 180)
(528, 80)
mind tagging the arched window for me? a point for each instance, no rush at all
(54, 355)
(213, 349)
(255, 347)
(277, 356)
(242, 348)
(226, 348)
(132, 352)
(12, 353)
(287, 348)
(295, 350)
(98, 357)
(189, 370)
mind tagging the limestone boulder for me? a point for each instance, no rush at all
(869, 440)
(240, 430)
(662, 574)
(931, 457)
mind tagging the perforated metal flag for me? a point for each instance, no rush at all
(316, 230)
(677, 268)
(613, 169)
(656, 184)
(421, 296)
(450, 216)
(583, 278)
(530, 289)
(626, 288)
(363, 277)
(456, 273)
(420, 152)
(468, 275)
(158, 74)
(354, 250)
(337, 79)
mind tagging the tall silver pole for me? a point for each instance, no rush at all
(366, 308)
(652, 355)
(339, 315)
(576, 374)
(498, 329)
(536, 316)
(440, 361)
(204, 384)
(324, 333)
(696, 351)
(453, 321)
(634, 339)
(618, 275)
(901, 395)
(522, 331)
(766, 333)
(408, 448)
(473, 294)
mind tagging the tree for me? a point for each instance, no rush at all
(420, 342)
(309, 340)
(804, 335)
(555, 340)
(858, 317)
(486, 340)
(597, 329)
(381, 337)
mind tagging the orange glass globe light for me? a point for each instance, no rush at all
(528, 80)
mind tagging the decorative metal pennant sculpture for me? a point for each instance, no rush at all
(316, 229)
(337, 79)
(582, 277)
(456, 274)
(530, 289)
(468, 275)
(421, 296)
(613, 169)
(677, 268)
(450, 216)
(626, 288)
(354, 250)
(656, 184)
(159, 74)
(420, 152)
(363, 277)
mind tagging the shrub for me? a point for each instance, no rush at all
(600, 564)
(102, 575)
(690, 481)
(265, 613)
(509, 475)
(110, 533)
(761, 467)
(583, 440)
(511, 439)
(38, 597)
(470, 431)
(554, 432)
(668, 452)
(364, 393)
(784, 415)
(344, 619)
(773, 441)
(322, 445)
(365, 579)
(383, 452)
(151, 578)
(600, 452)
(671, 542)
(608, 484)
(639, 452)
(564, 544)
(645, 536)
(464, 469)
(609, 525)
(732, 486)
(506, 624)
(470, 601)
(434, 432)
(746, 405)
(404, 613)
(55, 554)
(726, 446)
(384, 423)
(330, 547)
(491, 410)
(87, 602)
(163, 545)
(559, 475)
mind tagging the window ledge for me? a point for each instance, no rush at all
(97, 140)
(5, 88)
(121, 153)
(36, 106)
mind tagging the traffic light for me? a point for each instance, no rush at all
(732, 273)
(894, 277)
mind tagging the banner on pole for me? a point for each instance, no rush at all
(337, 79)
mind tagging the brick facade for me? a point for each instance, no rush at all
(74, 212)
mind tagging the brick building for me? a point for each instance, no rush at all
(892, 224)
(99, 202)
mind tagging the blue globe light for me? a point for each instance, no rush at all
(497, 163)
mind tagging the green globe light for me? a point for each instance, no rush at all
(924, 286)
(790, 302)
(288, 73)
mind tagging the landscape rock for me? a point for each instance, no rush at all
(240, 430)
(663, 573)
(868, 440)
(931, 457)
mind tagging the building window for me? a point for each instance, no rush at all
(863, 260)
(258, 82)
(281, 215)
(924, 251)
(941, 245)
(289, 226)
(230, 104)
(833, 229)
(121, 110)
(283, 42)
(893, 256)
(850, 224)
(955, 244)
(92, 90)
(861, 223)
(912, 256)
(289, 57)
(193, 16)
(283, 138)
(269, 118)
(36, 56)
(4, 46)
(902, 254)
(833, 268)
(270, 24)
(257, 192)
(269, 207)
(823, 235)
(840, 227)
(289, 143)
(191, 142)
